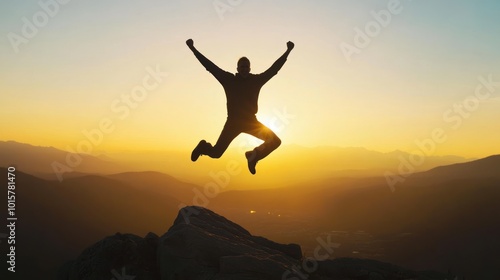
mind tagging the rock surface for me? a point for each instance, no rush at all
(204, 245)
(116, 257)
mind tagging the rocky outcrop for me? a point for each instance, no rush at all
(204, 245)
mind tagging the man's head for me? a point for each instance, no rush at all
(243, 67)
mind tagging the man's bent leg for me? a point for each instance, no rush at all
(271, 143)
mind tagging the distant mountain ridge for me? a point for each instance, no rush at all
(159, 183)
(302, 164)
(485, 167)
(37, 160)
(351, 158)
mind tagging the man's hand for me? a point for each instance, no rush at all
(190, 43)
(290, 45)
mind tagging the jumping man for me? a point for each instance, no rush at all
(242, 93)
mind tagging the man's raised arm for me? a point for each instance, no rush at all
(273, 70)
(218, 73)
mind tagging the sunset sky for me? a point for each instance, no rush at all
(77, 69)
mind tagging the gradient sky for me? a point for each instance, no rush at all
(403, 84)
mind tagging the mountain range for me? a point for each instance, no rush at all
(440, 219)
(302, 164)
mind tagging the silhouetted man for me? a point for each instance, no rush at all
(242, 93)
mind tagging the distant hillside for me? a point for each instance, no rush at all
(160, 183)
(359, 158)
(40, 161)
(481, 168)
(57, 220)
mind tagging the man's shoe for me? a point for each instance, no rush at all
(252, 160)
(197, 151)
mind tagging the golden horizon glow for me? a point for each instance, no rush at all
(84, 67)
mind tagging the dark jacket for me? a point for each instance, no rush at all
(242, 93)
